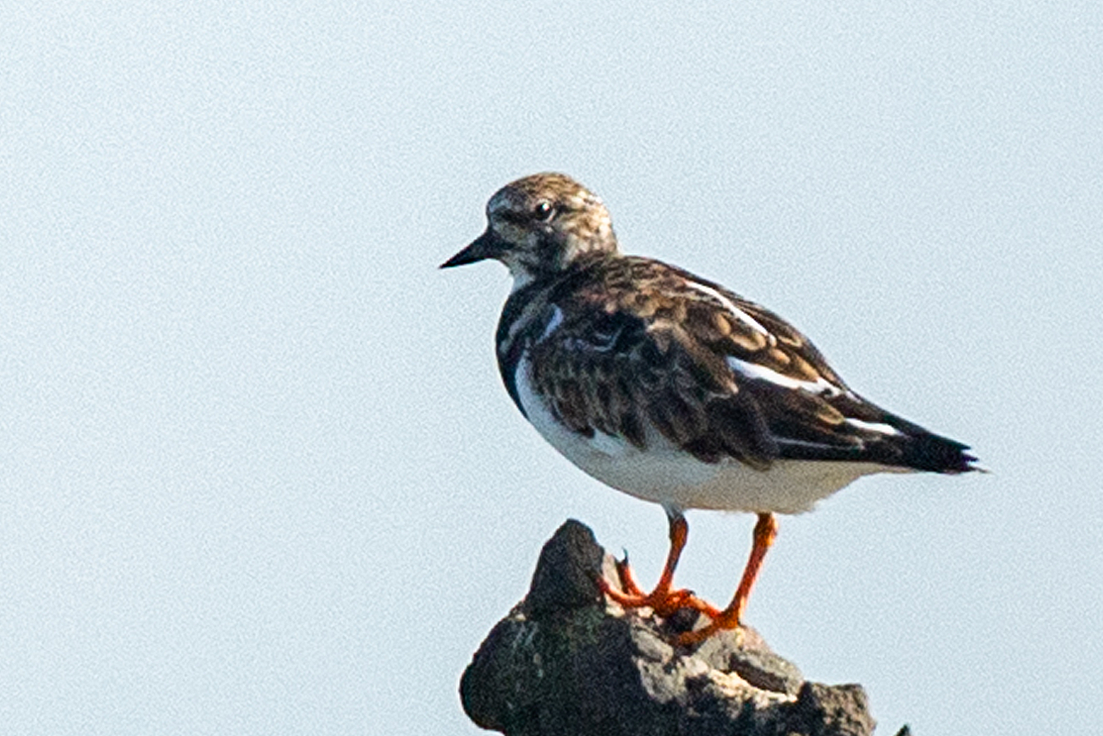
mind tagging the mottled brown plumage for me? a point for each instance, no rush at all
(670, 387)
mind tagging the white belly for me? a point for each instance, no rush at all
(664, 474)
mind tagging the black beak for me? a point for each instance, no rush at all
(487, 245)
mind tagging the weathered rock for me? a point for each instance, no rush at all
(566, 662)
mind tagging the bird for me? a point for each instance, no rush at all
(672, 388)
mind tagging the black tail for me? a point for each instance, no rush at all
(910, 446)
(917, 448)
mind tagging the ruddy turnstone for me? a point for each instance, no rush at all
(673, 389)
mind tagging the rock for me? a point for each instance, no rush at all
(567, 662)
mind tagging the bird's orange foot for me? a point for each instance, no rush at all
(663, 600)
(764, 533)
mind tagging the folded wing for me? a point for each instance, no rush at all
(717, 376)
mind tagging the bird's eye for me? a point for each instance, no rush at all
(543, 211)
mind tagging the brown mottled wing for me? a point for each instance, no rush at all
(715, 375)
(631, 369)
(810, 412)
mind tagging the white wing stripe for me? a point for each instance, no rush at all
(880, 427)
(754, 370)
(730, 306)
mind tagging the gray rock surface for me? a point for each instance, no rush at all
(566, 662)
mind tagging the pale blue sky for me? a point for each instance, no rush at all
(257, 471)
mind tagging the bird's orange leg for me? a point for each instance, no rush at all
(765, 531)
(664, 600)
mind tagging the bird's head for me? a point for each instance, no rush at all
(540, 225)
